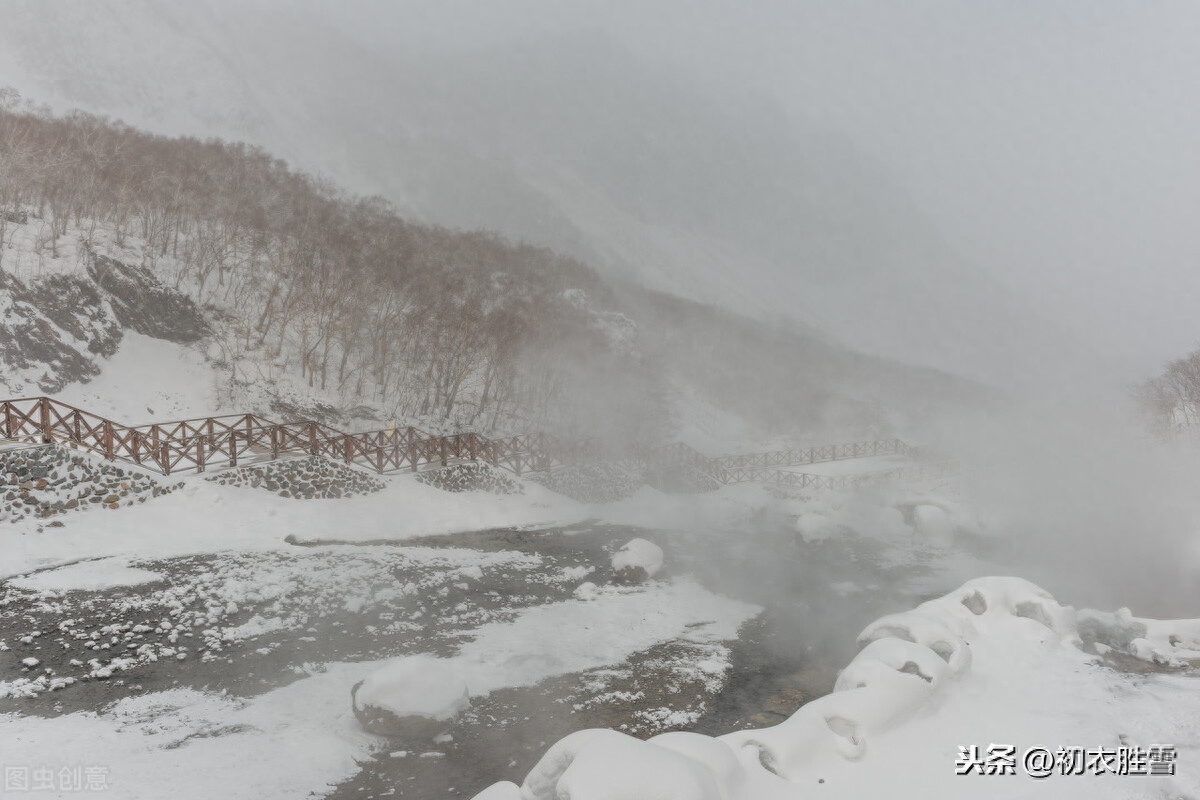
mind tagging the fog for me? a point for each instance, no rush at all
(1050, 145)
(649, 234)
(998, 190)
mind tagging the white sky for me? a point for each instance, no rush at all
(1054, 142)
(1051, 143)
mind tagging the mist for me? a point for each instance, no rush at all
(998, 191)
(967, 225)
(839, 304)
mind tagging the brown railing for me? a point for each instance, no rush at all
(198, 443)
(765, 466)
(223, 441)
(928, 470)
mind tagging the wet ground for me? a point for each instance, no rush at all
(816, 597)
(250, 622)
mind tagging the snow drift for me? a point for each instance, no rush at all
(903, 676)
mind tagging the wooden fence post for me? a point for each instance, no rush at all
(108, 440)
(44, 408)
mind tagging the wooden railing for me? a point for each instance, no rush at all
(199, 443)
(224, 440)
(928, 470)
(766, 466)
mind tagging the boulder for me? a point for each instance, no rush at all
(417, 697)
(637, 561)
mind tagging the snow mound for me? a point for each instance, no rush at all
(418, 687)
(637, 560)
(933, 524)
(1169, 643)
(586, 591)
(907, 660)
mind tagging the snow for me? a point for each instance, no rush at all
(301, 738)
(933, 524)
(90, 576)
(586, 591)
(638, 553)
(285, 743)
(996, 661)
(415, 686)
(253, 627)
(204, 517)
(853, 466)
(148, 380)
(616, 623)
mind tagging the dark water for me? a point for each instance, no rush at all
(815, 599)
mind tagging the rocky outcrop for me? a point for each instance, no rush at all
(50, 331)
(143, 303)
(53, 328)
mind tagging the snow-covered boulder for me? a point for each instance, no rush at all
(606, 765)
(637, 561)
(813, 527)
(586, 591)
(414, 697)
(933, 525)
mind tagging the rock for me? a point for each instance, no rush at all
(589, 483)
(784, 702)
(933, 525)
(415, 697)
(637, 561)
(765, 719)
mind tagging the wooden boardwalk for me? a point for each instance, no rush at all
(226, 441)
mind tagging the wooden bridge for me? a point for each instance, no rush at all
(223, 441)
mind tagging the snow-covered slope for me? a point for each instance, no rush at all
(572, 142)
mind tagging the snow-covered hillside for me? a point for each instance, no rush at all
(309, 303)
(721, 199)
